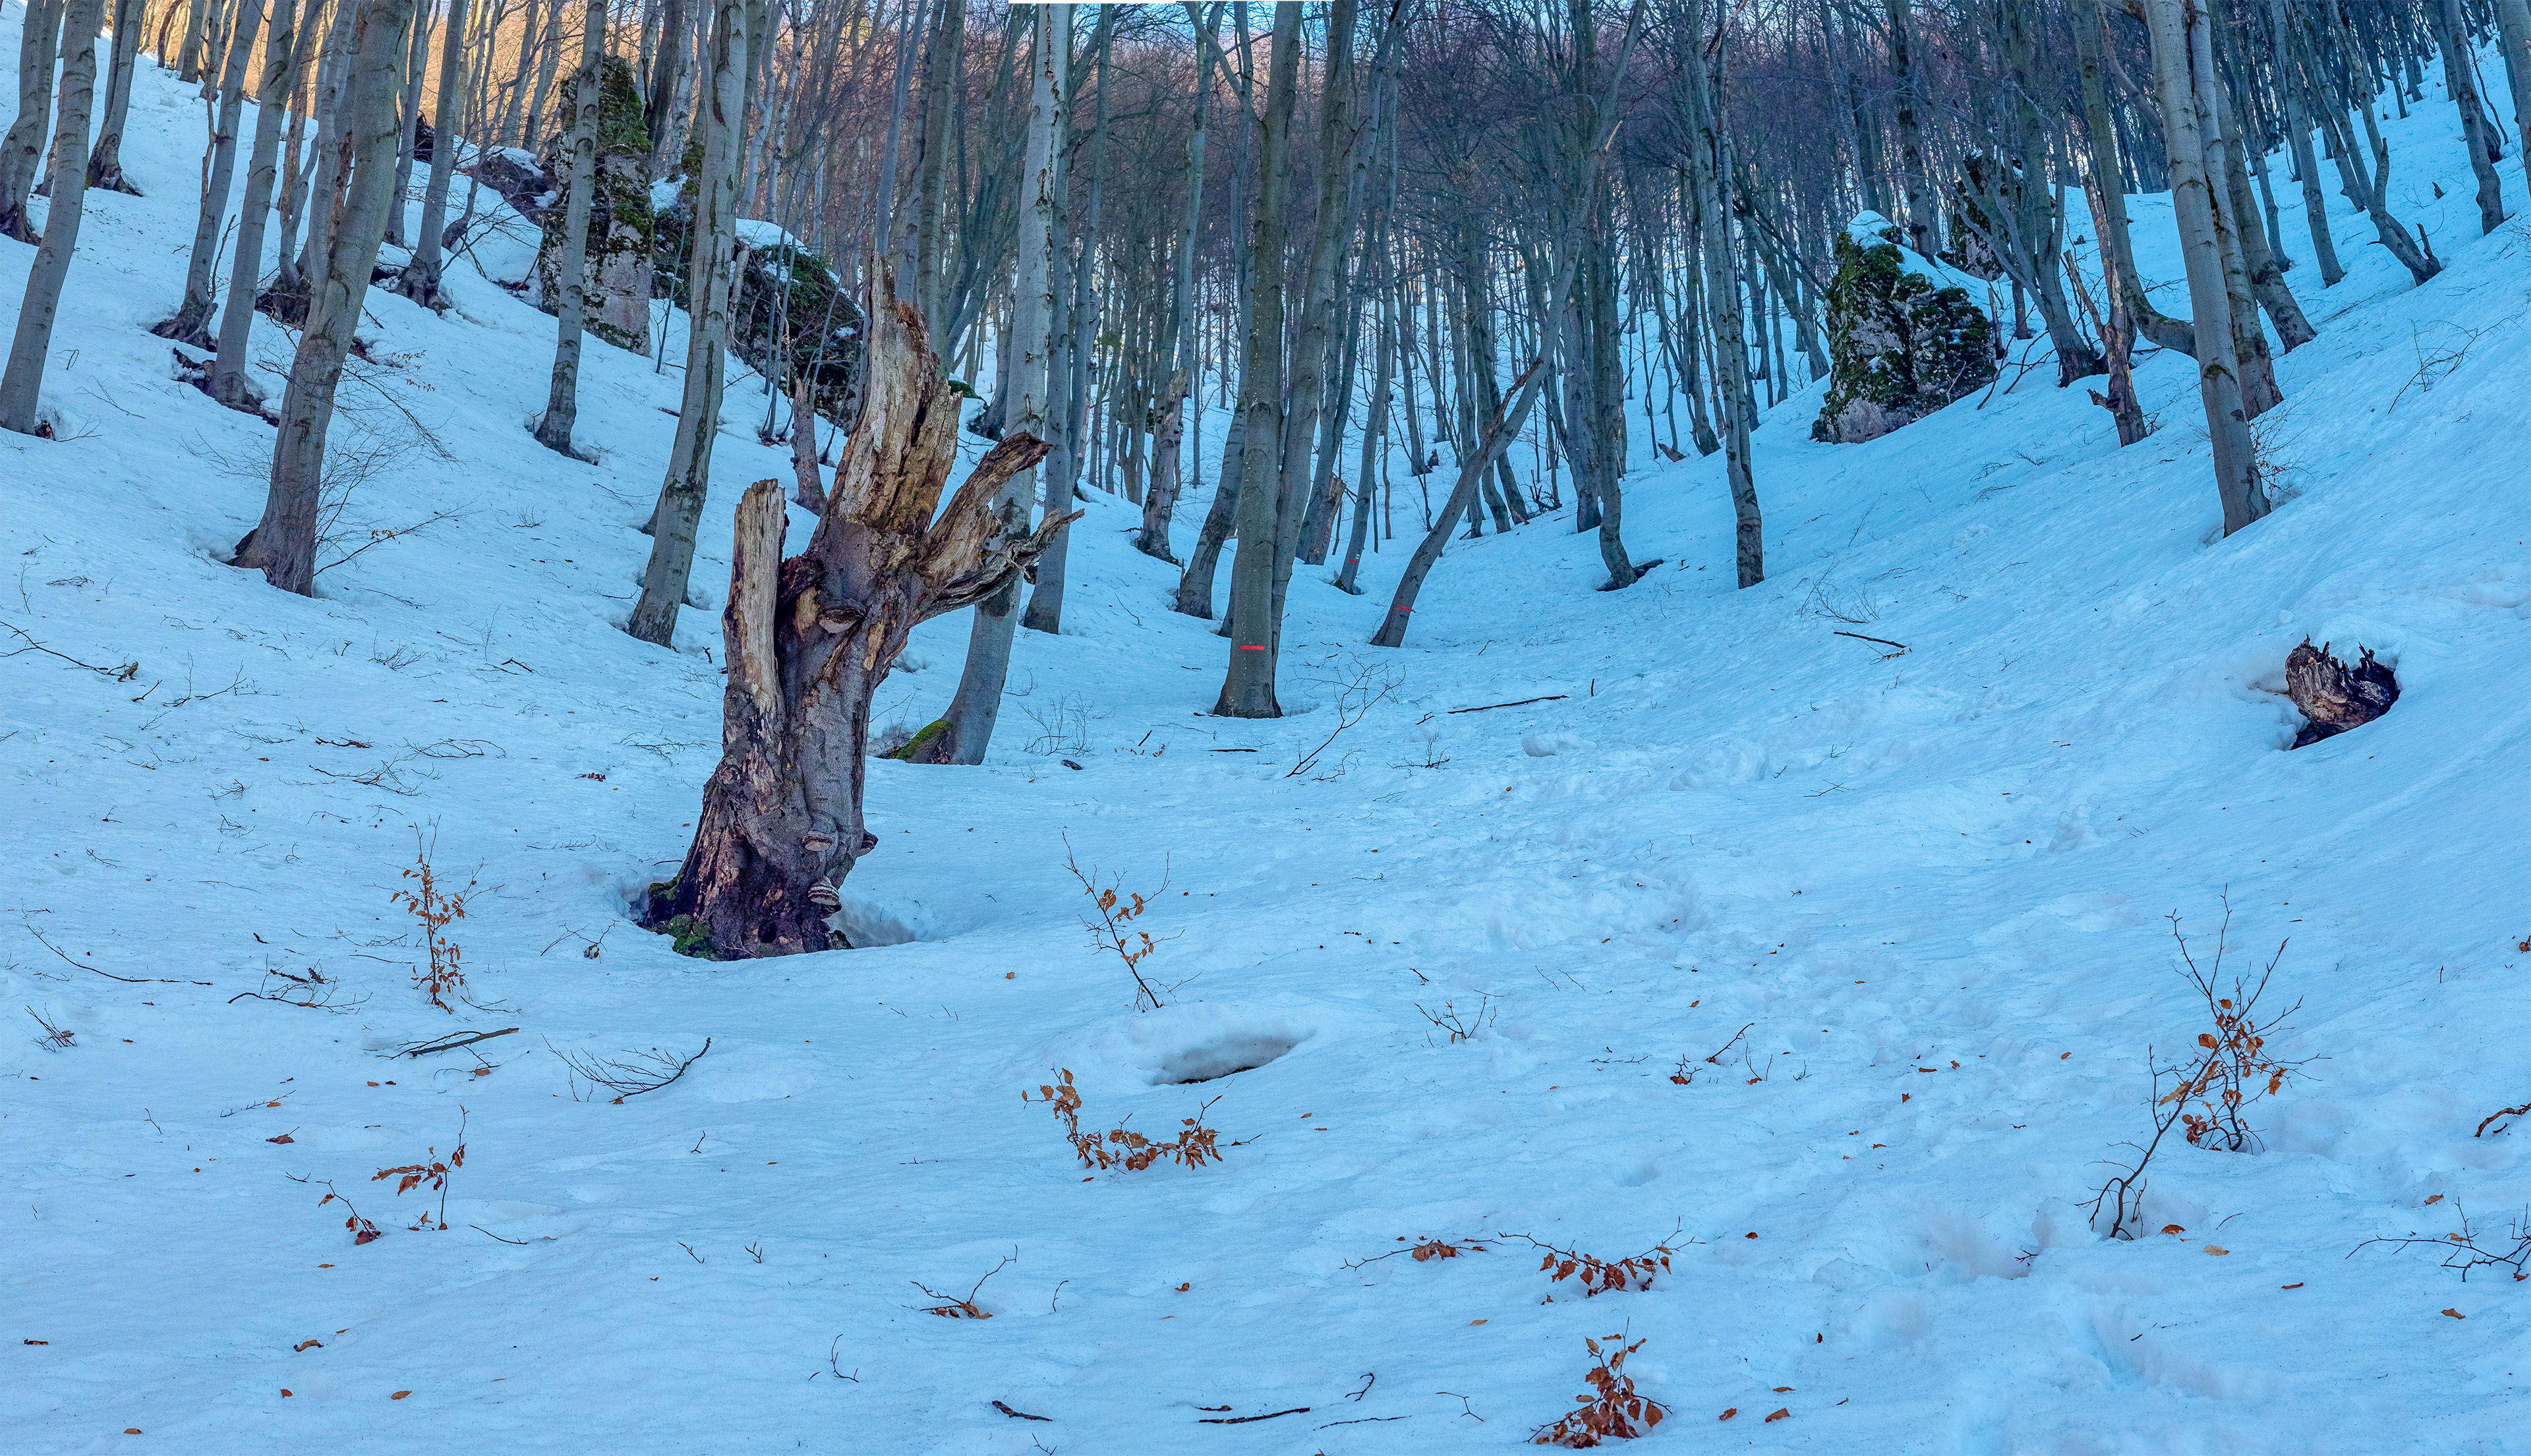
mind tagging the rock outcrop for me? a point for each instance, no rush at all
(622, 225)
(1904, 336)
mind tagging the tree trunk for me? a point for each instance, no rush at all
(562, 395)
(1710, 166)
(808, 641)
(21, 385)
(2180, 83)
(284, 545)
(1922, 231)
(978, 704)
(282, 43)
(105, 162)
(188, 326)
(188, 63)
(1248, 688)
(420, 279)
(2460, 78)
(22, 152)
(1045, 611)
(2514, 27)
(2315, 205)
(710, 281)
(2100, 135)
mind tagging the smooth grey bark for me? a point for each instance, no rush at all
(2452, 33)
(282, 546)
(219, 168)
(1045, 611)
(2369, 188)
(324, 186)
(420, 279)
(2513, 32)
(21, 385)
(977, 705)
(664, 85)
(417, 69)
(1710, 174)
(2266, 275)
(1248, 687)
(188, 63)
(2298, 123)
(282, 45)
(709, 283)
(22, 150)
(571, 315)
(1375, 430)
(941, 66)
(2100, 137)
(2182, 62)
(105, 157)
(1178, 341)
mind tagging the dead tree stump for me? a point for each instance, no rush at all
(808, 641)
(2335, 696)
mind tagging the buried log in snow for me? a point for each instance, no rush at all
(808, 641)
(2335, 696)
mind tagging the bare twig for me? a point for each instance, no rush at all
(1885, 641)
(108, 974)
(1018, 1415)
(643, 1072)
(1244, 1420)
(1523, 703)
(124, 673)
(420, 1050)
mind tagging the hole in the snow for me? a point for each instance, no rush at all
(1221, 1059)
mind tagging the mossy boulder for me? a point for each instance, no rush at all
(623, 227)
(1904, 337)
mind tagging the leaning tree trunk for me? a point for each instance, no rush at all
(808, 639)
(229, 384)
(191, 323)
(282, 546)
(562, 396)
(419, 281)
(2461, 81)
(22, 152)
(21, 385)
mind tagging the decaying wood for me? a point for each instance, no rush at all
(2333, 696)
(808, 641)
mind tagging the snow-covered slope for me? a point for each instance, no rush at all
(1927, 889)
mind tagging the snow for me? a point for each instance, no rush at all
(1868, 229)
(1932, 886)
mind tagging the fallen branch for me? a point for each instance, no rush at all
(1524, 703)
(1885, 641)
(124, 673)
(1244, 1420)
(1716, 1058)
(648, 1072)
(2525, 1108)
(108, 974)
(420, 1050)
(1018, 1415)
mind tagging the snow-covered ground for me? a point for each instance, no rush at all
(1932, 887)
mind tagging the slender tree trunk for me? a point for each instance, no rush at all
(188, 326)
(1709, 163)
(1924, 233)
(968, 727)
(21, 385)
(417, 69)
(1375, 430)
(420, 279)
(2180, 81)
(2315, 204)
(22, 150)
(2100, 134)
(284, 545)
(2514, 29)
(562, 396)
(709, 282)
(105, 162)
(2460, 78)
(1045, 612)
(230, 383)
(1248, 688)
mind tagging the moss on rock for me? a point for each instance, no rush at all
(1900, 346)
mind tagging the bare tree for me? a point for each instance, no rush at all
(22, 386)
(22, 152)
(420, 280)
(2183, 79)
(284, 40)
(105, 159)
(282, 546)
(710, 276)
(562, 398)
(219, 167)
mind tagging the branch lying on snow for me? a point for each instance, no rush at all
(452, 1042)
(124, 673)
(1523, 703)
(645, 1071)
(108, 974)
(1885, 641)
